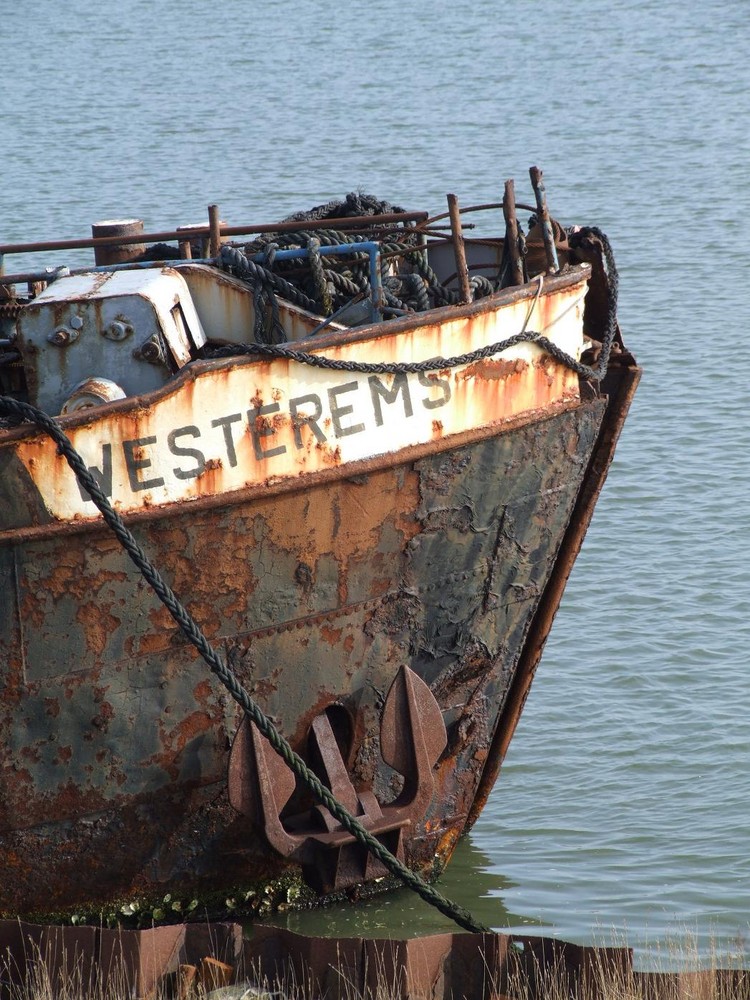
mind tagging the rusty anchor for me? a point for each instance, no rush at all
(412, 737)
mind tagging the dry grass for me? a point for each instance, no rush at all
(602, 975)
(603, 979)
(41, 979)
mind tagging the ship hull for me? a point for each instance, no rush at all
(443, 549)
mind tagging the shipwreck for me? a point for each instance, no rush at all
(363, 447)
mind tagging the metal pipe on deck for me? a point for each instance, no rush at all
(119, 252)
(352, 222)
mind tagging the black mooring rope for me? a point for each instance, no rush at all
(25, 411)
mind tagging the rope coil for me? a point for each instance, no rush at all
(595, 374)
(421, 286)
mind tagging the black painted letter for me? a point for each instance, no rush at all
(337, 412)
(102, 476)
(260, 428)
(200, 458)
(378, 391)
(298, 419)
(435, 382)
(134, 465)
(224, 423)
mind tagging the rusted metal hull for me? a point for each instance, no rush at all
(323, 549)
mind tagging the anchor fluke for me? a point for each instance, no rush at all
(413, 736)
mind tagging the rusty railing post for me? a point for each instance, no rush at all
(214, 226)
(511, 233)
(462, 268)
(544, 220)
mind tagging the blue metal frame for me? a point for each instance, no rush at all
(371, 248)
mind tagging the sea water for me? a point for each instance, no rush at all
(622, 811)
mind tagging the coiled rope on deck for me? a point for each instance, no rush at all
(594, 373)
(327, 285)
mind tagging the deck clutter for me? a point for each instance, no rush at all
(347, 466)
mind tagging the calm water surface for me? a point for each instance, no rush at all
(624, 806)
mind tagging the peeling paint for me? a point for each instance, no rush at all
(427, 545)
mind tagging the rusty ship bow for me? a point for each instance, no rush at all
(377, 545)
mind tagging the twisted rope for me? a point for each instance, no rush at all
(356, 203)
(319, 275)
(416, 292)
(235, 261)
(24, 411)
(613, 287)
(430, 364)
(327, 298)
(346, 285)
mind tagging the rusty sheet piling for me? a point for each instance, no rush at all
(186, 961)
